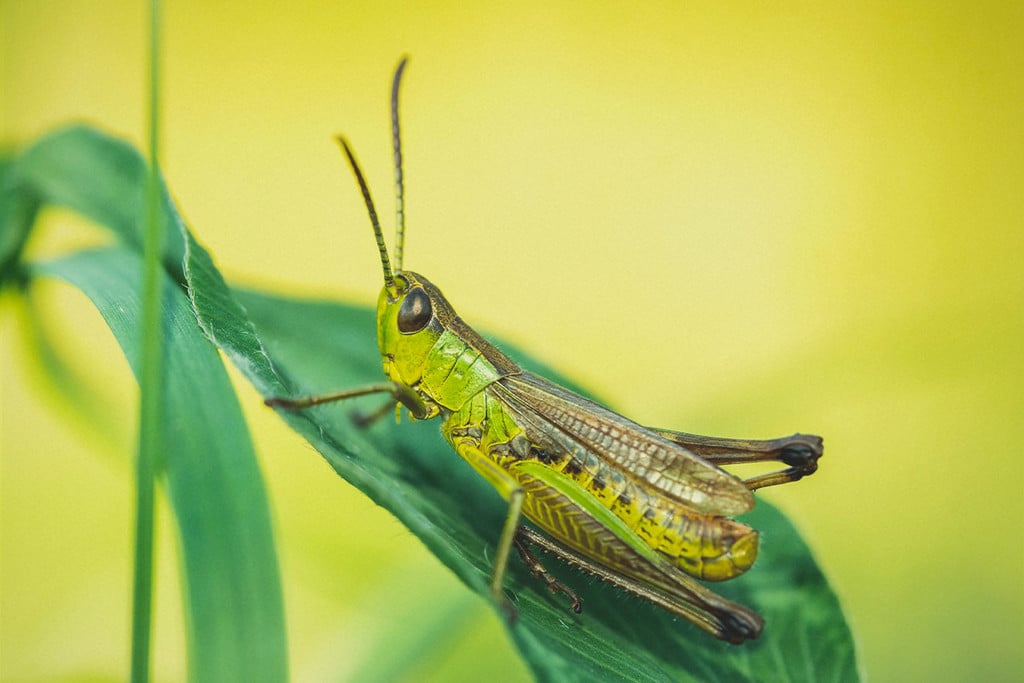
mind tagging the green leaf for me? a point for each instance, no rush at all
(298, 347)
(101, 178)
(412, 471)
(17, 214)
(233, 602)
(234, 608)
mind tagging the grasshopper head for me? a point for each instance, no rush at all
(411, 312)
(411, 317)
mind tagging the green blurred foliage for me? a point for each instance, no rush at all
(795, 218)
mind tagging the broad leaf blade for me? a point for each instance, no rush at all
(299, 347)
(100, 177)
(410, 470)
(234, 610)
(235, 625)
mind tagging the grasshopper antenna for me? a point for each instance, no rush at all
(396, 142)
(389, 278)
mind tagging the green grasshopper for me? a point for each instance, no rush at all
(647, 510)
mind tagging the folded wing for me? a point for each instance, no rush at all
(555, 417)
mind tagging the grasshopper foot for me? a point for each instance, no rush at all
(363, 419)
(510, 612)
(556, 586)
(541, 572)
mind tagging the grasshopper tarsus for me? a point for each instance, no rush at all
(541, 572)
(509, 610)
(556, 586)
(363, 419)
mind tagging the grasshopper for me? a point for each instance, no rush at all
(648, 510)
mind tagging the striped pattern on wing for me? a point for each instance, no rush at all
(556, 418)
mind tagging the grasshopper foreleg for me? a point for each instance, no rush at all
(541, 572)
(401, 393)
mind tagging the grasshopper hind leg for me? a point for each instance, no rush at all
(799, 452)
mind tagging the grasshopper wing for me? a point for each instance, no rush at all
(609, 445)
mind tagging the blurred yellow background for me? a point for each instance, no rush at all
(743, 222)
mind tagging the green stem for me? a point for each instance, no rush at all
(150, 409)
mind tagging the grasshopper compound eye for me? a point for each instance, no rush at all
(415, 312)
